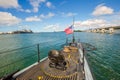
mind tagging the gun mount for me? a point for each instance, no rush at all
(57, 60)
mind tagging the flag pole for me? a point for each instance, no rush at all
(73, 31)
(66, 39)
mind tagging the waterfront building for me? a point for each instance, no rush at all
(111, 30)
(103, 30)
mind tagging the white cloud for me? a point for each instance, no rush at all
(12, 4)
(24, 27)
(28, 11)
(102, 10)
(68, 14)
(49, 5)
(71, 14)
(62, 3)
(25, 10)
(8, 19)
(36, 4)
(49, 15)
(34, 18)
(53, 27)
(9, 4)
(93, 23)
(39, 18)
(114, 19)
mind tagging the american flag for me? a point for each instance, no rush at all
(69, 30)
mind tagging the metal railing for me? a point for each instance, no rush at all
(26, 56)
(88, 73)
(17, 59)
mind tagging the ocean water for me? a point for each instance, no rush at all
(104, 59)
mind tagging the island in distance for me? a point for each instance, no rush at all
(18, 32)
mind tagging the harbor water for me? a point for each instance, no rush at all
(104, 59)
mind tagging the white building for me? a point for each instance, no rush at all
(111, 30)
(103, 30)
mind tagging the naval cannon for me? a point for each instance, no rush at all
(57, 60)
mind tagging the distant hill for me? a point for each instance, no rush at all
(77, 31)
(18, 32)
(115, 27)
(22, 31)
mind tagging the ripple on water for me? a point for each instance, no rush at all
(103, 50)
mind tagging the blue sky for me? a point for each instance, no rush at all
(56, 15)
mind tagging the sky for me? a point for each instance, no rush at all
(56, 15)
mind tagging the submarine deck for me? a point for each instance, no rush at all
(42, 71)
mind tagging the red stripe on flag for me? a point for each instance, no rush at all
(68, 30)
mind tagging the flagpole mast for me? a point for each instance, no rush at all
(73, 31)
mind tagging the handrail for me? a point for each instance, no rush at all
(85, 62)
(16, 61)
(17, 49)
(90, 68)
(27, 46)
(37, 51)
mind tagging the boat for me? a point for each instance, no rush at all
(68, 63)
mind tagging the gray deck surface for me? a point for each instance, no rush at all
(42, 71)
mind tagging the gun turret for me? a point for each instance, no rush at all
(57, 60)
